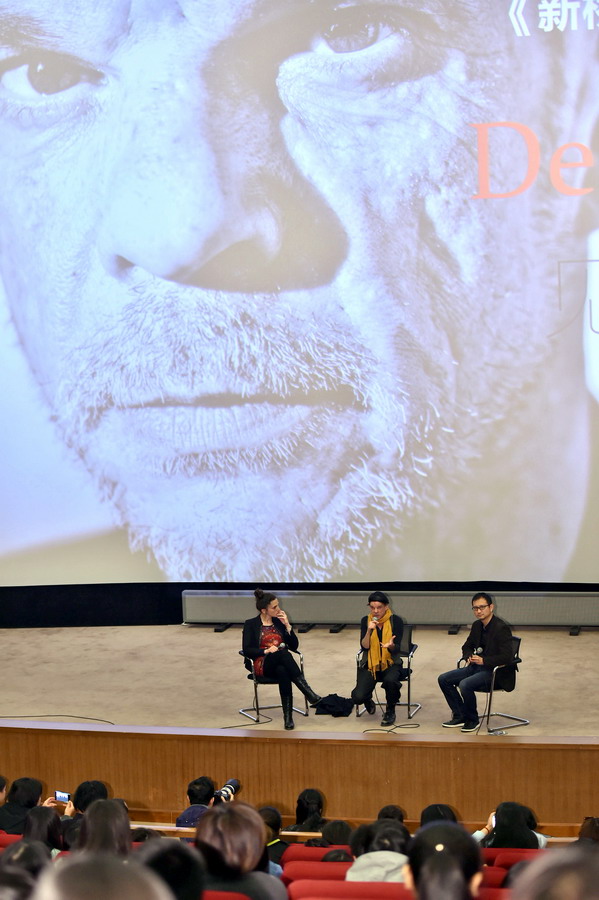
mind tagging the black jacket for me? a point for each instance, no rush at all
(12, 818)
(497, 642)
(251, 637)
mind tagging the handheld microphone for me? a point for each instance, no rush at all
(477, 652)
(282, 646)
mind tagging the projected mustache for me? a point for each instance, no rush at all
(169, 351)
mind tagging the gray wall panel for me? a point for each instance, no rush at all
(417, 607)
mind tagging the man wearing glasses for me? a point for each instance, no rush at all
(489, 644)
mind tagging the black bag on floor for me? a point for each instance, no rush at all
(334, 705)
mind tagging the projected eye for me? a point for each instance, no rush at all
(33, 74)
(354, 28)
(367, 46)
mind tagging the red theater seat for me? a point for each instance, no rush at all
(349, 890)
(508, 858)
(369, 890)
(223, 895)
(7, 839)
(308, 854)
(320, 871)
(493, 893)
(490, 853)
(493, 876)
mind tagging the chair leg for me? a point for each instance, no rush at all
(253, 712)
(489, 714)
(412, 707)
(518, 721)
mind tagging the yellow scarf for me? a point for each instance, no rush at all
(376, 662)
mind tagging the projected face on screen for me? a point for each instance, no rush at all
(243, 257)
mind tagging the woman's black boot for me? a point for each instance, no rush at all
(307, 691)
(287, 704)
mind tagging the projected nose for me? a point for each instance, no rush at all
(205, 210)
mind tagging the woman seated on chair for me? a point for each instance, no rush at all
(308, 811)
(508, 826)
(232, 840)
(380, 638)
(444, 863)
(267, 640)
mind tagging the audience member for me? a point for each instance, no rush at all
(3, 788)
(392, 811)
(444, 863)
(43, 824)
(589, 830)
(15, 884)
(176, 863)
(99, 877)
(30, 856)
(571, 873)
(273, 821)
(86, 794)
(531, 821)
(379, 849)
(141, 835)
(232, 839)
(105, 828)
(24, 794)
(308, 812)
(337, 854)
(265, 864)
(507, 827)
(437, 812)
(336, 832)
(200, 795)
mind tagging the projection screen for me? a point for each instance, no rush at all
(299, 290)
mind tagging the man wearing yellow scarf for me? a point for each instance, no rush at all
(380, 638)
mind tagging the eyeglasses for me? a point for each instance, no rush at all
(478, 608)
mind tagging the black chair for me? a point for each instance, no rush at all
(253, 712)
(407, 650)
(492, 690)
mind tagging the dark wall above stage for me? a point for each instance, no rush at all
(54, 606)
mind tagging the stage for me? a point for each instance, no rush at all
(166, 699)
